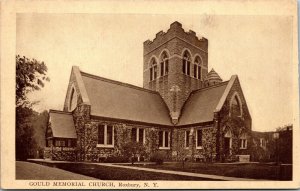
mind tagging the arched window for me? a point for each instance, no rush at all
(186, 62)
(197, 68)
(164, 64)
(153, 69)
(235, 107)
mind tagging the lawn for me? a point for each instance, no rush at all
(117, 173)
(31, 171)
(246, 170)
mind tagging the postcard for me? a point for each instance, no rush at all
(149, 94)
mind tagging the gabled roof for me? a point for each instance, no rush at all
(62, 124)
(201, 104)
(118, 100)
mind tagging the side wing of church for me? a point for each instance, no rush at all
(182, 111)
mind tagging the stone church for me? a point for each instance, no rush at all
(182, 110)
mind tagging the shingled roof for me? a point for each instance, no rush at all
(62, 124)
(118, 100)
(201, 104)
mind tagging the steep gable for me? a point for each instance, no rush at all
(201, 104)
(76, 83)
(234, 87)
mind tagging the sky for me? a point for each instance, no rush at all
(256, 48)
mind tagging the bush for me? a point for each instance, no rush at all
(232, 158)
(158, 158)
(116, 159)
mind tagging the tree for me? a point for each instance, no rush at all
(31, 75)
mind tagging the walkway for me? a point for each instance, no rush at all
(191, 174)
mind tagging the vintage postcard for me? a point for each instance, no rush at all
(149, 94)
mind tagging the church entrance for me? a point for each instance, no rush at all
(227, 146)
(227, 143)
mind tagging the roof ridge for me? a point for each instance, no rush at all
(210, 87)
(117, 82)
(58, 111)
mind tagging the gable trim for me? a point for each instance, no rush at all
(225, 94)
(83, 92)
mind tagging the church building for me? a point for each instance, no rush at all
(182, 110)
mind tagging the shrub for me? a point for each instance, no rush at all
(116, 159)
(132, 150)
(158, 157)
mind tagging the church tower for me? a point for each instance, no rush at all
(175, 63)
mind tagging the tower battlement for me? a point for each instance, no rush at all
(175, 31)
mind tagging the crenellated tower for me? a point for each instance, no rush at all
(175, 63)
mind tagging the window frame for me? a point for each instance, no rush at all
(187, 139)
(197, 68)
(137, 135)
(164, 64)
(262, 142)
(186, 63)
(153, 69)
(105, 145)
(197, 146)
(243, 143)
(164, 147)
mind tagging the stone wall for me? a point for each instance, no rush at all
(192, 153)
(122, 135)
(81, 116)
(60, 153)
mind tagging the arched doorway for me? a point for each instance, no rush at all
(227, 143)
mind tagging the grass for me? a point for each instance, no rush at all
(117, 173)
(31, 171)
(250, 170)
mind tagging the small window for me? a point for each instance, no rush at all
(262, 142)
(186, 139)
(243, 143)
(69, 143)
(105, 135)
(153, 69)
(164, 139)
(138, 135)
(59, 143)
(199, 139)
(186, 63)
